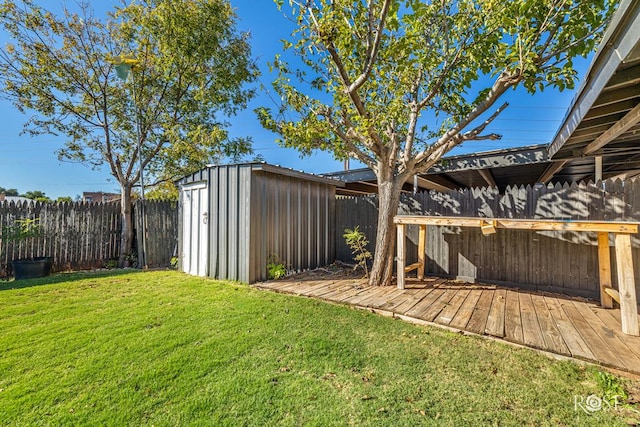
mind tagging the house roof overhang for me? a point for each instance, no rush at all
(499, 168)
(604, 118)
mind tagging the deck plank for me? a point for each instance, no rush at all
(478, 320)
(530, 327)
(448, 313)
(607, 335)
(461, 319)
(370, 291)
(410, 302)
(550, 333)
(355, 290)
(608, 318)
(278, 285)
(380, 301)
(330, 288)
(572, 338)
(440, 304)
(425, 303)
(398, 299)
(337, 291)
(495, 320)
(597, 346)
(512, 321)
(306, 288)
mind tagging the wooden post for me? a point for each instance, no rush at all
(626, 285)
(604, 264)
(400, 258)
(422, 243)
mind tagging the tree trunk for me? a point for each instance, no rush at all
(388, 200)
(126, 238)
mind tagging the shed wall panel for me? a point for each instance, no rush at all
(292, 223)
(229, 193)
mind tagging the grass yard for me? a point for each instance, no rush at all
(162, 348)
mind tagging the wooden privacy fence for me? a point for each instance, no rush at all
(81, 235)
(162, 231)
(561, 261)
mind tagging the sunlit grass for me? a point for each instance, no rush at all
(162, 348)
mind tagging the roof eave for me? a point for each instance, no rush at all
(613, 50)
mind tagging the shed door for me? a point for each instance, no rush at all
(195, 234)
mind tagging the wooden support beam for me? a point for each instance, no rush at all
(604, 264)
(422, 246)
(626, 285)
(411, 267)
(488, 177)
(598, 168)
(551, 170)
(627, 122)
(488, 227)
(612, 293)
(608, 110)
(433, 185)
(616, 95)
(624, 78)
(521, 224)
(401, 254)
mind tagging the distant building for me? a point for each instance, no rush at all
(100, 197)
(15, 199)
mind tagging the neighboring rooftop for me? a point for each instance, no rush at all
(100, 197)
(14, 199)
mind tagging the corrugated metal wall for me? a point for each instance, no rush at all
(293, 220)
(230, 200)
(255, 214)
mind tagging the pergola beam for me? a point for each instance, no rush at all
(624, 124)
(488, 177)
(551, 170)
(432, 185)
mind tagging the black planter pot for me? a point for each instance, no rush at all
(32, 268)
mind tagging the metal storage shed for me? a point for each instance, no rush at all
(234, 217)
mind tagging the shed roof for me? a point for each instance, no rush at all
(279, 170)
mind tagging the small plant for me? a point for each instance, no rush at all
(111, 264)
(611, 386)
(174, 262)
(358, 242)
(22, 229)
(275, 268)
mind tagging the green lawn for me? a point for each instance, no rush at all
(162, 348)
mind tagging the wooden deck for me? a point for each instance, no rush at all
(551, 322)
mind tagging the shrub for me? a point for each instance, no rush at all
(275, 268)
(358, 242)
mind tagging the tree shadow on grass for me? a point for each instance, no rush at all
(64, 277)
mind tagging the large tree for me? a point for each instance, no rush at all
(190, 67)
(397, 84)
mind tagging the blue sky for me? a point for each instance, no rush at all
(30, 163)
